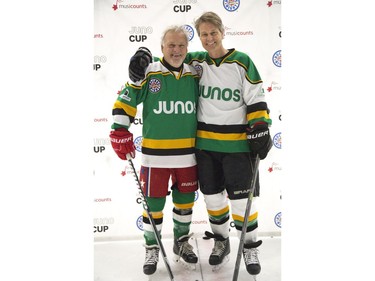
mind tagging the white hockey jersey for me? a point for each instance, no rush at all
(231, 99)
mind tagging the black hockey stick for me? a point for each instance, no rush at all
(147, 209)
(246, 219)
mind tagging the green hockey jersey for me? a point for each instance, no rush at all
(169, 101)
(231, 99)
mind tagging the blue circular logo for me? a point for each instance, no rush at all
(198, 69)
(190, 30)
(154, 85)
(138, 143)
(276, 58)
(277, 219)
(196, 196)
(139, 223)
(277, 140)
(231, 5)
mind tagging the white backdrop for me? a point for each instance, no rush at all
(120, 27)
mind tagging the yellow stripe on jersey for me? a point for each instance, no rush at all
(131, 111)
(134, 86)
(168, 143)
(258, 115)
(219, 136)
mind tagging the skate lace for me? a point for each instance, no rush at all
(186, 248)
(219, 248)
(251, 256)
(220, 243)
(152, 256)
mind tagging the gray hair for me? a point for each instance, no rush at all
(176, 29)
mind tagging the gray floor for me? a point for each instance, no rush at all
(123, 260)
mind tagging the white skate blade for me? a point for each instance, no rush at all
(188, 266)
(217, 267)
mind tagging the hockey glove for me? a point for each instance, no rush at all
(122, 143)
(259, 140)
(138, 64)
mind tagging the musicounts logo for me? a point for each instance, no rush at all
(230, 32)
(274, 2)
(274, 167)
(100, 119)
(127, 171)
(127, 6)
(274, 86)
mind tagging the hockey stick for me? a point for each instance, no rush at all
(147, 209)
(246, 219)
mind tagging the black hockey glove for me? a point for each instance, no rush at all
(259, 140)
(138, 64)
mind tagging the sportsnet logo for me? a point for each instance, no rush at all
(125, 95)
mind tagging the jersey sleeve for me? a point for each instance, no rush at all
(125, 107)
(256, 106)
(195, 56)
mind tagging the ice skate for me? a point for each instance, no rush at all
(183, 253)
(220, 252)
(250, 256)
(151, 259)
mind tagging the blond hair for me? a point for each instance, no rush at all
(209, 17)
